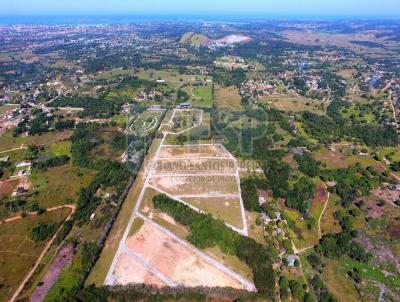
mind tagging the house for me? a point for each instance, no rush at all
(298, 150)
(265, 218)
(184, 105)
(262, 196)
(23, 164)
(291, 260)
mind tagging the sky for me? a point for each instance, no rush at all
(200, 7)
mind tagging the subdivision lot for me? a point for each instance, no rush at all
(193, 151)
(123, 273)
(224, 208)
(176, 261)
(157, 242)
(196, 184)
(194, 166)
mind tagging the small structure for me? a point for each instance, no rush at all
(23, 164)
(5, 159)
(185, 105)
(291, 260)
(298, 150)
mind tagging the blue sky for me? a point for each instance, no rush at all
(198, 7)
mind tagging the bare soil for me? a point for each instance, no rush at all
(176, 261)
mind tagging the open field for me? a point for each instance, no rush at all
(18, 252)
(7, 141)
(176, 261)
(294, 104)
(53, 190)
(183, 119)
(329, 225)
(224, 208)
(228, 98)
(124, 276)
(338, 283)
(200, 97)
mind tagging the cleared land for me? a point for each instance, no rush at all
(193, 151)
(176, 261)
(123, 273)
(228, 98)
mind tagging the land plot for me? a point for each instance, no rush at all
(193, 151)
(176, 261)
(128, 271)
(228, 98)
(196, 185)
(194, 166)
(294, 103)
(224, 208)
(184, 119)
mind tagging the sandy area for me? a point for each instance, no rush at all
(193, 151)
(194, 166)
(128, 271)
(195, 185)
(177, 262)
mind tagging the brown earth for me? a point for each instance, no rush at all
(176, 261)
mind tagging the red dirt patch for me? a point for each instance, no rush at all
(62, 259)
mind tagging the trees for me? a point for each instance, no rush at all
(307, 164)
(249, 195)
(52, 162)
(300, 196)
(43, 231)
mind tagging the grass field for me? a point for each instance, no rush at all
(18, 252)
(338, 284)
(53, 189)
(7, 141)
(329, 225)
(225, 209)
(294, 104)
(200, 97)
(228, 98)
(61, 148)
